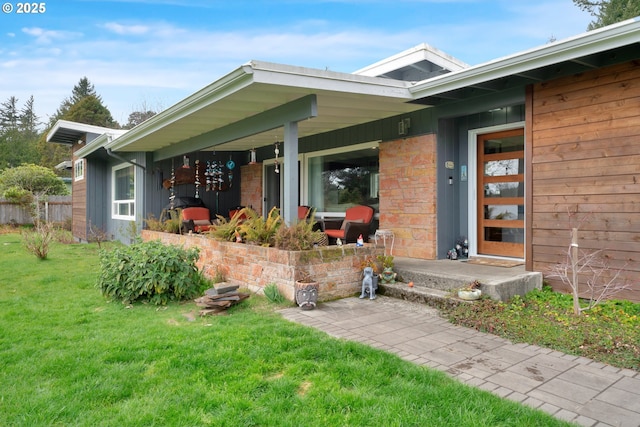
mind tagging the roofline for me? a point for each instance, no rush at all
(266, 73)
(616, 35)
(229, 83)
(422, 51)
(79, 127)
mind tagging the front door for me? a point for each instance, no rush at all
(501, 193)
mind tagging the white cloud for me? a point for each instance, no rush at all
(126, 29)
(43, 36)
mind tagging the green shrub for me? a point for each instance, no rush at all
(298, 237)
(150, 272)
(258, 230)
(273, 294)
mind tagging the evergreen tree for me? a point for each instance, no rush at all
(28, 119)
(609, 12)
(83, 106)
(90, 110)
(9, 114)
(18, 133)
(83, 88)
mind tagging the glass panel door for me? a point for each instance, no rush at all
(501, 193)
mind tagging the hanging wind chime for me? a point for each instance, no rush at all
(277, 165)
(197, 181)
(230, 165)
(172, 195)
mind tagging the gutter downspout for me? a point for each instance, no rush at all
(116, 156)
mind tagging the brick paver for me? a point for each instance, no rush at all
(570, 388)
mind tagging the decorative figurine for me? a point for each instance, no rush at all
(307, 295)
(368, 282)
(388, 275)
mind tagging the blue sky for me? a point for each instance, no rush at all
(149, 54)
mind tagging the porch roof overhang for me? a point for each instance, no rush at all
(605, 46)
(248, 107)
(67, 132)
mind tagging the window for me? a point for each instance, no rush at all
(338, 180)
(124, 183)
(78, 170)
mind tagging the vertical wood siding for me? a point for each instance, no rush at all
(586, 159)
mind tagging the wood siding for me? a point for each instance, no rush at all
(585, 132)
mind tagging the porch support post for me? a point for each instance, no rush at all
(291, 178)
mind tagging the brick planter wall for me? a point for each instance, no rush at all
(337, 269)
(408, 195)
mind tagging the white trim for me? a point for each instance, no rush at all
(78, 169)
(472, 176)
(115, 204)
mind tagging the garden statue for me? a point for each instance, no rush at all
(368, 282)
(388, 275)
(307, 295)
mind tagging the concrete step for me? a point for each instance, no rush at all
(434, 278)
(420, 294)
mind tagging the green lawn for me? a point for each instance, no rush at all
(69, 357)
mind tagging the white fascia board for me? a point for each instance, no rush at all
(78, 127)
(422, 52)
(324, 80)
(611, 37)
(208, 95)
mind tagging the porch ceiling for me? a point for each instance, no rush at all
(343, 100)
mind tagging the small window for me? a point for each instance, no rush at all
(124, 200)
(78, 170)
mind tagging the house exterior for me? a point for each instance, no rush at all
(509, 154)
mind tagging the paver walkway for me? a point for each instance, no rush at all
(571, 388)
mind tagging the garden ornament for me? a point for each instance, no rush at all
(368, 281)
(307, 295)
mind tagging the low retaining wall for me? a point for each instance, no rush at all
(337, 269)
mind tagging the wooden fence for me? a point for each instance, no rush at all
(55, 209)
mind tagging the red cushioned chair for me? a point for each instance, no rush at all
(235, 211)
(304, 212)
(356, 221)
(196, 219)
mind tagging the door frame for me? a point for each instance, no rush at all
(472, 202)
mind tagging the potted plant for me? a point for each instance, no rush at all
(387, 275)
(306, 291)
(470, 292)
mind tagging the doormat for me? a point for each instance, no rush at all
(495, 262)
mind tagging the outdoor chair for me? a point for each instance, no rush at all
(236, 211)
(196, 219)
(357, 221)
(304, 212)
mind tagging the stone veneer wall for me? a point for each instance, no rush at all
(251, 192)
(408, 195)
(337, 269)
